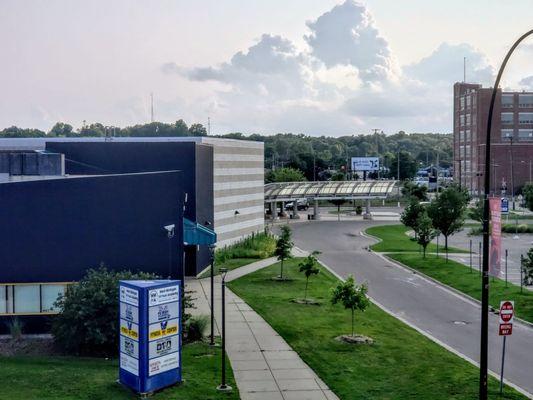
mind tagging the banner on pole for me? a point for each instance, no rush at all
(495, 258)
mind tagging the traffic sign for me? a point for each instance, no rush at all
(506, 318)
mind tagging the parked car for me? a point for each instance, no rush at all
(300, 204)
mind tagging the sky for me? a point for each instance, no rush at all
(317, 67)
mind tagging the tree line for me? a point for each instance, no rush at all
(318, 158)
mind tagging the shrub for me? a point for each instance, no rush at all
(260, 245)
(358, 210)
(195, 328)
(87, 322)
(15, 327)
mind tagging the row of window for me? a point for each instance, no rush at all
(523, 134)
(30, 298)
(524, 100)
(524, 118)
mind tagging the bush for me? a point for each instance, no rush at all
(87, 322)
(195, 328)
(358, 210)
(15, 326)
(259, 245)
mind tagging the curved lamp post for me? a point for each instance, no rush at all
(483, 359)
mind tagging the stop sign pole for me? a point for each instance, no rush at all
(505, 329)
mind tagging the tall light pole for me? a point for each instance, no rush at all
(398, 177)
(483, 358)
(512, 172)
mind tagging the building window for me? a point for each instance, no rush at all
(462, 120)
(525, 134)
(462, 100)
(49, 295)
(467, 135)
(467, 119)
(38, 298)
(27, 299)
(507, 101)
(507, 118)
(468, 101)
(525, 100)
(507, 134)
(525, 118)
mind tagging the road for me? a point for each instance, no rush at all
(446, 316)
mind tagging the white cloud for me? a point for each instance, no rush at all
(527, 83)
(346, 35)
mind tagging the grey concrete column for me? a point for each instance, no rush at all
(274, 208)
(367, 214)
(295, 214)
(316, 211)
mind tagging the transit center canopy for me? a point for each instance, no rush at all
(328, 190)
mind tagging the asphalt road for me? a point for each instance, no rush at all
(446, 316)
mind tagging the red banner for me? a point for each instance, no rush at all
(495, 259)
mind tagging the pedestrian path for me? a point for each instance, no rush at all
(264, 365)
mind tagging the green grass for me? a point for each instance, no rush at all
(62, 378)
(394, 239)
(458, 276)
(402, 364)
(248, 250)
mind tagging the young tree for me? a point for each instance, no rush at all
(476, 213)
(285, 175)
(528, 195)
(411, 213)
(424, 230)
(411, 189)
(527, 269)
(352, 296)
(284, 246)
(447, 212)
(309, 267)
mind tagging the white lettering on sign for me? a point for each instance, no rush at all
(163, 295)
(129, 312)
(163, 312)
(129, 295)
(162, 347)
(164, 328)
(506, 312)
(162, 364)
(129, 329)
(365, 163)
(129, 364)
(129, 346)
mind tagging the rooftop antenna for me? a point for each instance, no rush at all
(152, 107)
(464, 69)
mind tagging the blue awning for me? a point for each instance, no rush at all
(196, 234)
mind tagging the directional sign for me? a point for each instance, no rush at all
(150, 334)
(506, 318)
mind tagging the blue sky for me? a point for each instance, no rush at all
(303, 66)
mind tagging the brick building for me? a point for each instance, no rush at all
(511, 138)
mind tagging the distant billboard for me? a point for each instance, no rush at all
(365, 164)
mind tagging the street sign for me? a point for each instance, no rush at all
(505, 206)
(506, 318)
(150, 334)
(365, 164)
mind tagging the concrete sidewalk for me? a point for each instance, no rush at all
(264, 365)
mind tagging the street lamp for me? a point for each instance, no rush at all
(212, 254)
(223, 387)
(483, 359)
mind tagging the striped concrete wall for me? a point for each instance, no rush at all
(238, 179)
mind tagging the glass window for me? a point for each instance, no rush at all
(49, 294)
(525, 134)
(507, 134)
(462, 120)
(507, 118)
(462, 103)
(525, 118)
(525, 100)
(3, 299)
(468, 119)
(507, 101)
(27, 299)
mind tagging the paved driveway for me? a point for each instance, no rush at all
(446, 316)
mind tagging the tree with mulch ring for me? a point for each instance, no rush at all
(353, 297)
(309, 267)
(284, 246)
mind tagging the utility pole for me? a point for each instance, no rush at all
(208, 126)
(398, 177)
(512, 173)
(152, 107)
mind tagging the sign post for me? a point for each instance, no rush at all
(505, 329)
(150, 334)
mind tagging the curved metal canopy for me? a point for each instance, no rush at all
(328, 190)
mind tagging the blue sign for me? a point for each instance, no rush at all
(150, 334)
(505, 206)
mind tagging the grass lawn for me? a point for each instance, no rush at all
(230, 264)
(61, 378)
(458, 276)
(394, 239)
(402, 364)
